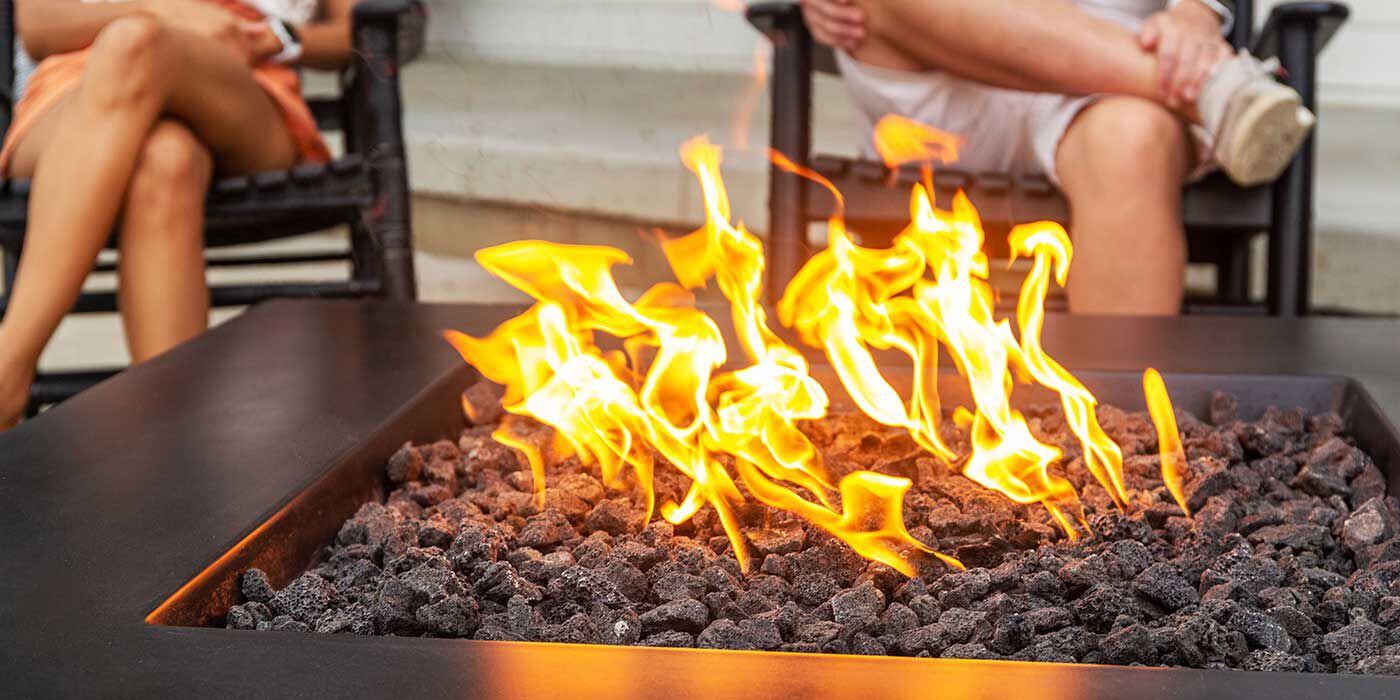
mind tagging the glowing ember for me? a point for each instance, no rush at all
(669, 398)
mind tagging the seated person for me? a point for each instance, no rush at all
(134, 106)
(1119, 102)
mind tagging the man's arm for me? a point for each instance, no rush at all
(327, 41)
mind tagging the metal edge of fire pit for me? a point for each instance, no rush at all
(94, 517)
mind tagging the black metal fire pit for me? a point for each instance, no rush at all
(126, 513)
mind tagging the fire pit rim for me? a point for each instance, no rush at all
(124, 656)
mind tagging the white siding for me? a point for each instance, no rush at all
(651, 34)
(1362, 65)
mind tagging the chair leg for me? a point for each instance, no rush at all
(1290, 242)
(791, 135)
(388, 223)
(365, 257)
(1232, 273)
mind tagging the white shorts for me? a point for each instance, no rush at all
(1003, 130)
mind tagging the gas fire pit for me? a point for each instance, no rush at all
(462, 550)
(130, 513)
(654, 473)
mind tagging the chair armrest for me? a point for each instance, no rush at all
(380, 8)
(1320, 19)
(409, 18)
(773, 15)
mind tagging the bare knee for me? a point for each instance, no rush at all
(171, 176)
(1125, 143)
(125, 66)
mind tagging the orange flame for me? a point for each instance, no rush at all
(1048, 244)
(901, 140)
(673, 397)
(1173, 455)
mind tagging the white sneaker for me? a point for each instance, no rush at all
(1258, 123)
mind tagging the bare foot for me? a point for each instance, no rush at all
(14, 395)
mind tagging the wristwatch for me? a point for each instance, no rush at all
(1225, 10)
(290, 38)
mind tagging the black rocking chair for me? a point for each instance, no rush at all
(1220, 217)
(366, 189)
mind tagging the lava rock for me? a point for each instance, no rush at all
(614, 516)
(1163, 585)
(1385, 665)
(669, 638)
(1129, 645)
(453, 616)
(405, 465)
(1273, 661)
(684, 615)
(1349, 645)
(1101, 605)
(305, 598)
(858, 607)
(256, 587)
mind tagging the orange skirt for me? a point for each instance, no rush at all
(57, 77)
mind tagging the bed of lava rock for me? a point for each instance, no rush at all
(1291, 561)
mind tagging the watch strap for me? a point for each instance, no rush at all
(291, 46)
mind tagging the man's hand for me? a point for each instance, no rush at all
(836, 23)
(1188, 44)
(204, 19)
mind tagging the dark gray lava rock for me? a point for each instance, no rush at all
(858, 607)
(1349, 645)
(1379, 666)
(1163, 585)
(1131, 644)
(683, 615)
(453, 616)
(305, 598)
(256, 587)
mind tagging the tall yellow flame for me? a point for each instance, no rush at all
(1173, 455)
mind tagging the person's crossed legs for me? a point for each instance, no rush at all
(156, 107)
(1123, 160)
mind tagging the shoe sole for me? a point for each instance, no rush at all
(1267, 136)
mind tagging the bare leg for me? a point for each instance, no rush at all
(138, 72)
(164, 298)
(1031, 45)
(1122, 164)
